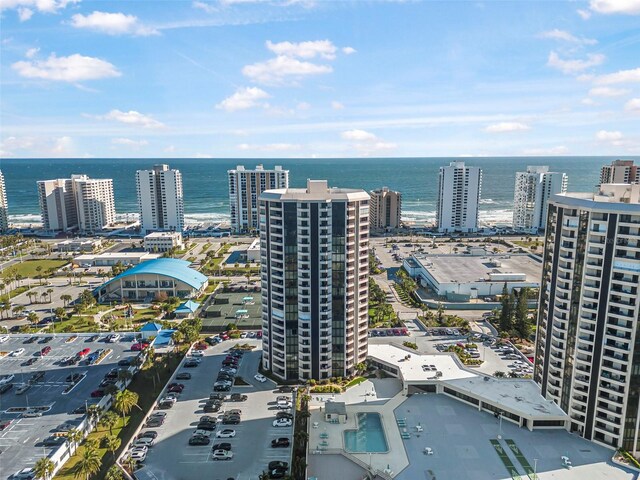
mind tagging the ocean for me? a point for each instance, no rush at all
(206, 191)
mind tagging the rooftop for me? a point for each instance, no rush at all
(622, 197)
(187, 307)
(477, 268)
(317, 190)
(337, 408)
(518, 395)
(163, 235)
(170, 267)
(90, 256)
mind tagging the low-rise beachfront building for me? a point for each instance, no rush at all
(162, 241)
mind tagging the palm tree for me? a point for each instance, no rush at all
(124, 402)
(39, 276)
(66, 298)
(111, 390)
(93, 412)
(44, 468)
(49, 292)
(124, 376)
(30, 295)
(89, 464)
(2, 287)
(17, 310)
(114, 473)
(43, 296)
(74, 437)
(112, 443)
(32, 317)
(109, 420)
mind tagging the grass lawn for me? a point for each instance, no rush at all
(76, 325)
(18, 291)
(526, 244)
(144, 314)
(147, 386)
(28, 268)
(354, 382)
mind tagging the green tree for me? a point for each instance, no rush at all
(112, 443)
(522, 324)
(124, 402)
(32, 317)
(17, 310)
(499, 374)
(49, 292)
(59, 312)
(39, 275)
(114, 473)
(109, 420)
(44, 468)
(89, 464)
(440, 313)
(506, 313)
(74, 436)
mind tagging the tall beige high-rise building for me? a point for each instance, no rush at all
(385, 209)
(587, 356)
(160, 199)
(4, 215)
(245, 187)
(314, 259)
(620, 171)
(79, 202)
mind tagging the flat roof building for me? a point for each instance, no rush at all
(160, 199)
(459, 189)
(109, 259)
(162, 241)
(78, 245)
(531, 196)
(461, 277)
(245, 187)
(620, 171)
(516, 400)
(143, 282)
(385, 209)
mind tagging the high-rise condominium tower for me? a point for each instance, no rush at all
(160, 200)
(385, 208)
(620, 171)
(532, 192)
(4, 221)
(77, 202)
(245, 187)
(459, 190)
(314, 247)
(588, 337)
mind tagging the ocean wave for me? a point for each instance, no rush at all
(25, 218)
(487, 201)
(496, 216)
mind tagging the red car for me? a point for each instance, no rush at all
(45, 351)
(201, 346)
(97, 393)
(259, 334)
(138, 347)
(176, 387)
(84, 352)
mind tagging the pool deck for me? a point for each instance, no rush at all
(377, 396)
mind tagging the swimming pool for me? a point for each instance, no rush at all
(369, 437)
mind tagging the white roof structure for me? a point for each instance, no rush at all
(520, 397)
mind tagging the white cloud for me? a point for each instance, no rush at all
(574, 66)
(504, 127)
(37, 146)
(584, 14)
(559, 150)
(349, 50)
(112, 24)
(633, 105)
(281, 69)
(368, 149)
(628, 7)
(26, 8)
(588, 101)
(206, 7)
(31, 52)
(271, 147)
(303, 106)
(132, 118)
(608, 136)
(623, 76)
(357, 135)
(244, 98)
(321, 48)
(74, 68)
(129, 142)
(337, 105)
(24, 14)
(170, 149)
(563, 35)
(608, 92)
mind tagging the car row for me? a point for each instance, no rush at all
(389, 332)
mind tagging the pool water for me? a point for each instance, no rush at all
(369, 437)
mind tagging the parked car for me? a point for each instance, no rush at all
(138, 347)
(283, 404)
(144, 442)
(98, 393)
(183, 376)
(148, 434)
(208, 426)
(191, 364)
(211, 408)
(259, 377)
(138, 455)
(45, 351)
(277, 464)
(285, 389)
(176, 387)
(231, 420)
(288, 415)
(83, 352)
(221, 446)
(31, 361)
(199, 440)
(125, 362)
(222, 455)
(4, 338)
(226, 433)
(30, 340)
(22, 387)
(280, 442)
(278, 473)
(238, 397)
(5, 387)
(17, 353)
(54, 441)
(73, 378)
(197, 353)
(282, 422)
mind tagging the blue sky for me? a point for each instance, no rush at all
(312, 78)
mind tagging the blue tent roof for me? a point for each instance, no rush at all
(163, 338)
(151, 327)
(187, 307)
(170, 267)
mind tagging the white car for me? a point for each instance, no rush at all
(243, 335)
(4, 338)
(282, 404)
(221, 455)
(197, 353)
(31, 413)
(226, 433)
(259, 377)
(17, 352)
(138, 455)
(201, 433)
(282, 422)
(7, 378)
(24, 474)
(144, 442)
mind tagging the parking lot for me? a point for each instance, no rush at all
(171, 457)
(242, 308)
(21, 438)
